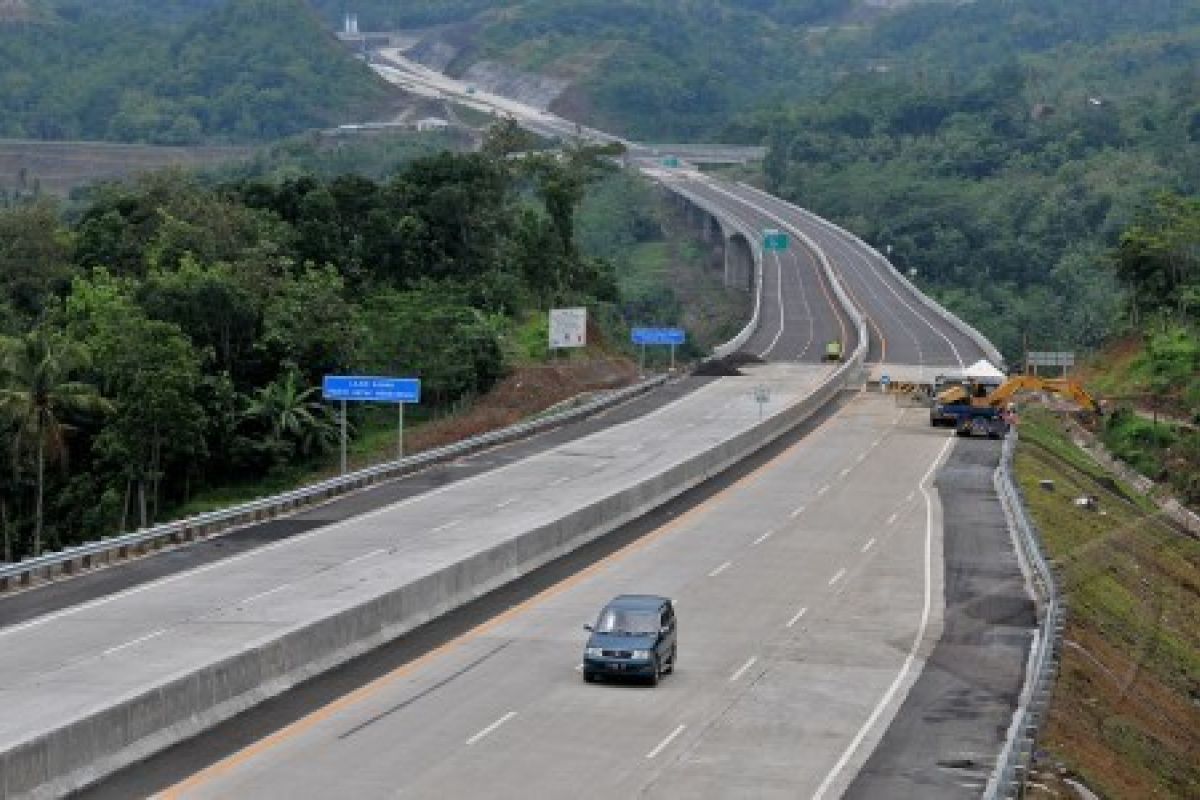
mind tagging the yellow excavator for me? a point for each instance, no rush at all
(973, 409)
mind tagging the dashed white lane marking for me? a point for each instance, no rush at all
(845, 472)
(910, 497)
(491, 727)
(663, 744)
(886, 699)
(132, 642)
(354, 560)
(720, 569)
(283, 586)
(742, 669)
(796, 618)
(868, 545)
(797, 512)
(579, 667)
(560, 481)
(506, 503)
(822, 490)
(764, 537)
(892, 519)
(877, 442)
(445, 526)
(840, 574)
(861, 457)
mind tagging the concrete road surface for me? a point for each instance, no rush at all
(808, 596)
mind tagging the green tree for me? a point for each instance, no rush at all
(294, 415)
(37, 394)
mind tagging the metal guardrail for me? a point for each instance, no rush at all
(1012, 768)
(103, 551)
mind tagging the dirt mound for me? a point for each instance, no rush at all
(528, 390)
(717, 368)
(741, 358)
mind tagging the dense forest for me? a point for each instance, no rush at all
(173, 336)
(243, 71)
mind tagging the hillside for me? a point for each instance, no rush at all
(244, 71)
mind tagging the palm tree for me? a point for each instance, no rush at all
(35, 393)
(294, 414)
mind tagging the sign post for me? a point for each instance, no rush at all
(367, 389)
(667, 336)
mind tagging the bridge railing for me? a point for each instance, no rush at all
(115, 548)
(1012, 767)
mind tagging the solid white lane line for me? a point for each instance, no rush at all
(742, 669)
(845, 472)
(892, 518)
(797, 512)
(354, 560)
(662, 745)
(884, 701)
(720, 569)
(445, 526)
(506, 503)
(822, 490)
(840, 574)
(132, 642)
(796, 618)
(868, 545)
(491, 727)
(764, 537)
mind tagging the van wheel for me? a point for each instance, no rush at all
(589, 677)
(656, 674)
(670, 667)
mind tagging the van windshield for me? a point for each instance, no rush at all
(619, 620)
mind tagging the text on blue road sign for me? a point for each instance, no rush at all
(368, 388)
(658, 336)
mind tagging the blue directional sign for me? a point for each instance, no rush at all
(658, 336)
(774, 240)
(368, 388)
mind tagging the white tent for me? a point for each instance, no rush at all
(982, 371)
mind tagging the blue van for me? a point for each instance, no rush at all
(634, 637)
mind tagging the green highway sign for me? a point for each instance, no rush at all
(774, 240)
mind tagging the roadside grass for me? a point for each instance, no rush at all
(1125, 715)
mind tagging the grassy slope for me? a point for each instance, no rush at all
(1124, 716)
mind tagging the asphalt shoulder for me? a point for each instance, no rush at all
(944, 741)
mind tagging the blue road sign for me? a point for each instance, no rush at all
(368, 388)
(658, 336)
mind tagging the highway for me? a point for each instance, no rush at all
(807, 598)
(905, 335)
(810, 592)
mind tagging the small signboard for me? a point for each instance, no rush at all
(671, 161)
(774, 240)
(672, 336)
(367, 388)
(568, 327)
(1050, 359)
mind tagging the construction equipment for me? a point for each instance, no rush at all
(977, 409)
